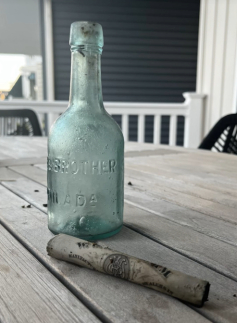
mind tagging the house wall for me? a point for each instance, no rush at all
(217, 59)
(150, 51)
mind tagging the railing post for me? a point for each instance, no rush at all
(173, 130)
(141, 128)
(125, 126)
(49, 57)
(156, 133)
(193, 132)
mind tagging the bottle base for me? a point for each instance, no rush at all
(92, 237)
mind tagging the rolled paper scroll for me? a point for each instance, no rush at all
(98, 257)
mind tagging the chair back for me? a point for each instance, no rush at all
(20, 122)
(223, 136)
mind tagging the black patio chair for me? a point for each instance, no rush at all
(223, 136)
(22, 122)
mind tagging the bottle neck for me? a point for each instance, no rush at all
(85, 84)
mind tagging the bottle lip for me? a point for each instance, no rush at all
(86, 33)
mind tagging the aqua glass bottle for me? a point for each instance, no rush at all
(85, 149)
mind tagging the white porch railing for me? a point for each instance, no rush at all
(191, 110)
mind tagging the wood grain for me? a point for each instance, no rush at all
(181, 188)
(22, 161)
(41, 166)
(117, 300)
(210, 226)
(30, 293)
(207, 244)
(207, 205)
(181, 211)
(34, 173)
(15, 147)
(211, 252)
(153, 193)
(7, 175)
(166, 166)
(183, 193)
(154, 152)
(220, 256)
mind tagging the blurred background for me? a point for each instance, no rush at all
(154, 52)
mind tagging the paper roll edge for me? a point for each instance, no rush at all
(205, 294)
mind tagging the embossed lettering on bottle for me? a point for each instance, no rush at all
(83, 167)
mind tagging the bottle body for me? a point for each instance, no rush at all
(85, 150)
(85, 175)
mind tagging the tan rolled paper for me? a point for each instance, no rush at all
(94, 256)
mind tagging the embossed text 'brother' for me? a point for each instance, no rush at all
(85, 167)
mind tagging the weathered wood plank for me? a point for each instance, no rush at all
(22, 161)
(30, 293)
(208, 166)
(35, 173)
(195, 176)
(41, 166)
(154, 152)
(23, 147)
(216, 161)
(191, 178)
(177, 165)
(32, 192)
(208, 204)
(19, 147)
(117, 300)
(219, 229)
(7, 175)
(211, 252)
(3, 156)
(210, 226)
(135, 146)
(39, 145)
(206, 177)
(179, 186)
(164, 167)
(198, 246)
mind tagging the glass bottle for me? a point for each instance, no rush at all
(85, 149)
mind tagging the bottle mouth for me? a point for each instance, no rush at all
(86, 33)
(86, 48)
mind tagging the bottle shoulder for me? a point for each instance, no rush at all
(94, 126)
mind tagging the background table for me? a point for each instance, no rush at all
(180, 211)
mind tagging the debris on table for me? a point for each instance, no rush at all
(95, 256)
(27, 206)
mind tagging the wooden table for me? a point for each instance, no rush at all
(180, 211)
